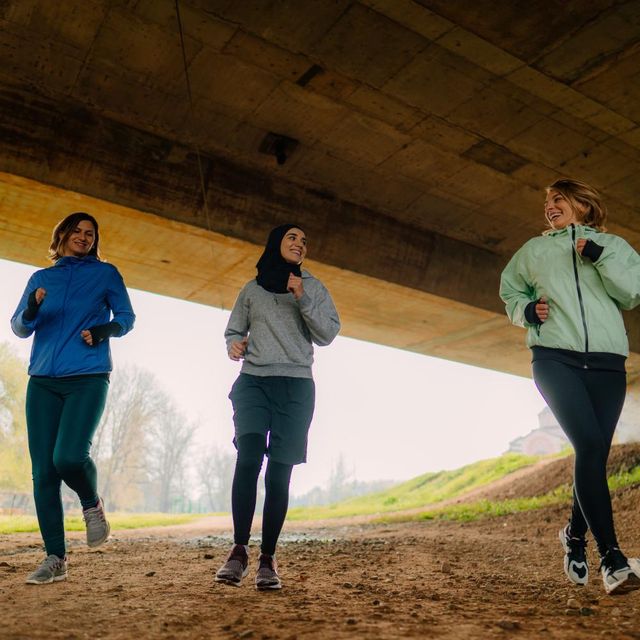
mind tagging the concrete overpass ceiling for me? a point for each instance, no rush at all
(426, 129)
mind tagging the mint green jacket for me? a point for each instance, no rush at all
(584, 298)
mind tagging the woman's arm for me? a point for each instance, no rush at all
(120, 305)
(517, 293)
(320, 314)
(618, 265)
(23, 321)
(237, 329)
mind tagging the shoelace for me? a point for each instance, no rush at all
(93, 514)
(52, 562)
(577, 544)
(613, 560)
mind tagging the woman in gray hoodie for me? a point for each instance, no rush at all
(274, 323)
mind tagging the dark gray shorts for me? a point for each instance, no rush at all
(278, 407)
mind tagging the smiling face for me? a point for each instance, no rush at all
(80, 241)
(559, 212)
(294, 246)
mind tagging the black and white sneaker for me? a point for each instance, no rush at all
(617, 574)
(575, 557)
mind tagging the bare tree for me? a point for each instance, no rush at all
(215, 475)
(119, 446)
(169, 448)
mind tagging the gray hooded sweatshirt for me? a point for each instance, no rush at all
(282, 329)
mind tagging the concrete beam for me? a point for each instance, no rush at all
(67, 146)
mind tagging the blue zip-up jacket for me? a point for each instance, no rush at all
(81, 293)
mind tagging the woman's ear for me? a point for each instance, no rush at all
(582, 209)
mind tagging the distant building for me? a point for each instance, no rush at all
(547, 438)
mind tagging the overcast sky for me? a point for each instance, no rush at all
(392, 414)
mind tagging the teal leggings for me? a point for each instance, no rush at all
(62, 416)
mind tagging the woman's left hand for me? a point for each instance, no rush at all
(580, 245)
(294, 285)
(87, 337)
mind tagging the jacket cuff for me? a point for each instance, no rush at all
(101, 332)
(30, 313)
(530, 314)
(592, 250)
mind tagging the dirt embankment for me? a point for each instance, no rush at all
(495, 578)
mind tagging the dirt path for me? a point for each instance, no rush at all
(497, 578)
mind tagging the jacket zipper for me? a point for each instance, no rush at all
(64, 307)
(580, 300)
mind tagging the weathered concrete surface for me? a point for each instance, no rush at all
(427, 131)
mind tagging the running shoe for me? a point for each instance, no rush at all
(575, 557)
(51, 569)
(98, 528)
(267, 576)
(617, 574)
(235, 568)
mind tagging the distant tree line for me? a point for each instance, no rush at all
(342, 485)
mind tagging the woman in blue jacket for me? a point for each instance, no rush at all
(72, 308)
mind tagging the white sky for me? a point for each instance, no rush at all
(392, 414)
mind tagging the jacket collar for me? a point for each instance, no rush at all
(70, 261)
(581, 231)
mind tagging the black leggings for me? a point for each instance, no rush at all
(251, 450)
(587, 403)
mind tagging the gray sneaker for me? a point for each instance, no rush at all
(235, 568)
(51, 569)
(98, 528)
(267, 576)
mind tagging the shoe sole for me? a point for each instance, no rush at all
(230, 581)
(632, 583)
(55, 579)
(581, 582)
(97, 543)
(269, 586)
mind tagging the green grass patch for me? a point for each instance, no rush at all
(29, 524)
(429, 488)
(487, 509)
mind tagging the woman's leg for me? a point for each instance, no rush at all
(43, 409)
(84, 401)
(276, 503)
(251, 449)
(607, 390)
(569, 397)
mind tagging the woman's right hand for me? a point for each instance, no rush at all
(238, 349)
(542, 309)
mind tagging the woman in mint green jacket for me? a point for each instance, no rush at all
(567, 287)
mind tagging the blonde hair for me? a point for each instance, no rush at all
(65, 228)
(581, 195)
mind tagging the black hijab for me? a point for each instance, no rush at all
(273, 269)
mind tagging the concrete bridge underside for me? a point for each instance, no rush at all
(426, 131)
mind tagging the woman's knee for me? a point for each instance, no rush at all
(67, 464)
(592, 454)
(251, 449)
(278, 476)
(43, 478)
